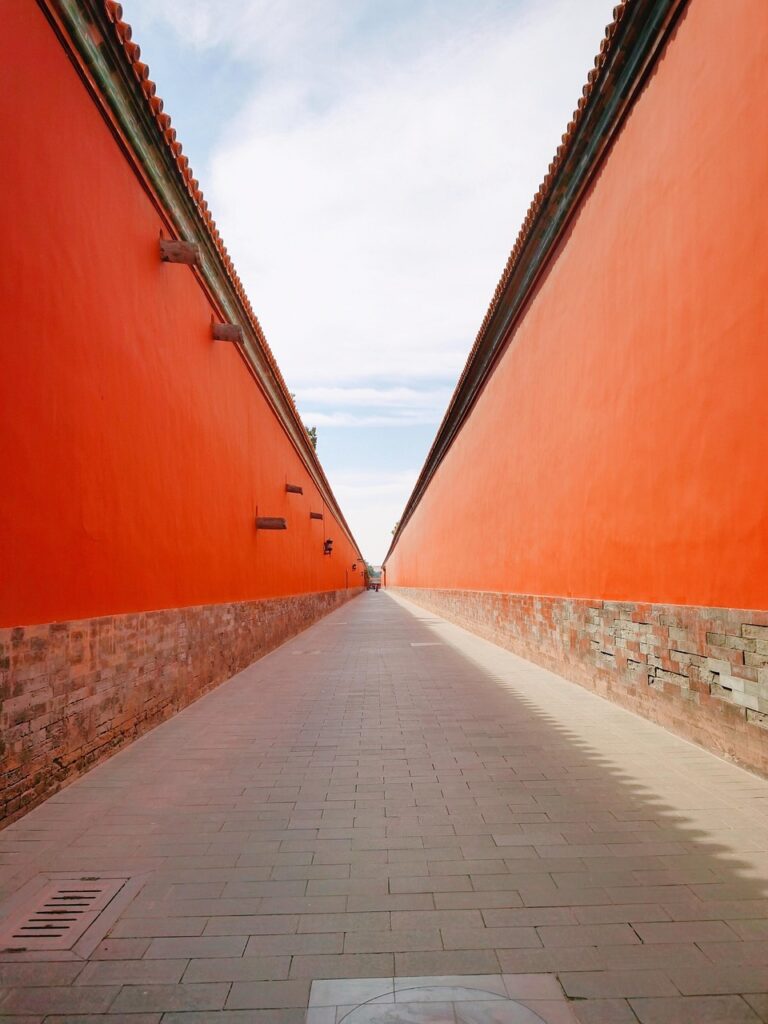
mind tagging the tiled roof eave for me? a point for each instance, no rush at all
(631, 43)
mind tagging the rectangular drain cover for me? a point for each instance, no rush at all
(59, 914)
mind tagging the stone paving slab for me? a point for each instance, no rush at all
(408, 802)
(458, 999)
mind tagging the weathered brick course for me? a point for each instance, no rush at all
(72, 693)
(696, 671)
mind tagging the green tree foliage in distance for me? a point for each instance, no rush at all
(312, 431)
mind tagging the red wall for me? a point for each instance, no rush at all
(134, 451)
(619, 449)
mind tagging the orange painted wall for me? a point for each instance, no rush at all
(134, 452)
(620, 448)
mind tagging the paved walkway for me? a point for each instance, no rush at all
(389, 796)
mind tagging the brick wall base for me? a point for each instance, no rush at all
(73, 693)
(699, 672)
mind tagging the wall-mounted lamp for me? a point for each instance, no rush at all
(327, 547)
(354, 566)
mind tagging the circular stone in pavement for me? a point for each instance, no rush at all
(443, 1005)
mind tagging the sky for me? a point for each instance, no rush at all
(369, 163)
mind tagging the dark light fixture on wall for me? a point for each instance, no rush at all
(327, 547)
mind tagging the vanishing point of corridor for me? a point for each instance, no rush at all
(389, 797)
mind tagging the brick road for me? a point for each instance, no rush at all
(389, 796)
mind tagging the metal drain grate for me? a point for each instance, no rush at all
(60, 913)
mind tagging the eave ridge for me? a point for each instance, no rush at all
(630, 44)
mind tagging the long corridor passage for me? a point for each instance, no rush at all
(389, 797)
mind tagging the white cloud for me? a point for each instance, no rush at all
(355, 484)
(372, 406)
(378, 397)
(372, 503)
(374, 180)
(349, 419)
(370, 178)
(261, 31)
(371, 231)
